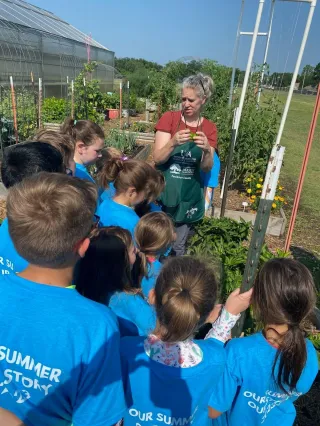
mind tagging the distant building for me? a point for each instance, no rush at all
(33, 40)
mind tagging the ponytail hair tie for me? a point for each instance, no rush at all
(124, 158)
(74, 123)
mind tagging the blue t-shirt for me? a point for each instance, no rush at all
(135, 316)
(211, 179)
(10, 259)
(159, 395)
(247, 388)
(149, 282)
(115, 214)
(82, 173)
(106, 194)
(54, 369)
(155, 207)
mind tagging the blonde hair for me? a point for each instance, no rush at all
(185, 294)
(62, 142)
(202, 84)
(48, 214)
(131, 173)
(154, 234)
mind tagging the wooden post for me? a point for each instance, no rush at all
(120, 107)
(40, 104)
(72, 99)
(14, 110)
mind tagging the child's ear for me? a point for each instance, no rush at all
(80, 147)
(152, 297)
(131, 191)
(83, 247)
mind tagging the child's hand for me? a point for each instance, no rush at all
(237, 303)
(214, 314)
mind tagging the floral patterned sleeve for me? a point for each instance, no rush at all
(222, 327)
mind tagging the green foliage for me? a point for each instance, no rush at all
(141, 127)
(254, 184)
(88, 99)
(124, 142)
(129, 65)
(316, 74)
(54, 110)
(225, 240)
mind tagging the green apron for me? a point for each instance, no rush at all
(183, 197)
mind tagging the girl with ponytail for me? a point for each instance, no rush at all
(170, 375)
(267, 371)
(154, 236)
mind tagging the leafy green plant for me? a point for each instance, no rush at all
(225, 241)
(137, 126)
(54, 110)
(124, 142)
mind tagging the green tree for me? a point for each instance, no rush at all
(307, 78)
(316, 74)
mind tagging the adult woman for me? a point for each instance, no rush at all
(184, 146)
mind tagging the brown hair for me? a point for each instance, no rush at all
(154, 234)
(48, 214)
(107, 154)
(284, 293)
(185, 294)
(61, 141)
(130, 173)
(85, 131)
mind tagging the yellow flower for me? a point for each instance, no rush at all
(249, 191)
(281, 199)
(249, 180)
(280, 188)
(259, 191)
(276, 198)
(274, 205)
(260, 180)
(253, 197)
(258, 185)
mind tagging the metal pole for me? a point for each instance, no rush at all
(120, 105)
(236, 51)
(72, 99)
(14, 110)
(296, 70)
(244, 90)
(40, 102)
(303, 170)
(266, 50)
(128, 87)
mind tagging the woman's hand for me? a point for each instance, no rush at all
(181, 137)
(201, 141)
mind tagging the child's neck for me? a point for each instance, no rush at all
(274, 333)
(48, 276)
(122, 199)
(77, 159)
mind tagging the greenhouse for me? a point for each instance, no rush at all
(35, 43)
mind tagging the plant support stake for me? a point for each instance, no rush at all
(261, 224)
(128, 87)
(120, 107)
(85, 98)
(242, 98)
(72, 99)
(40, 103)
(303, 170)
(14, 110)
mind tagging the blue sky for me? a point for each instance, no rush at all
(170, 29)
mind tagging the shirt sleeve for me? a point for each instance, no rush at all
(212, 135)
(165, 123)
(226, 388)
(144, 317)
(222, 327)
(100, 399)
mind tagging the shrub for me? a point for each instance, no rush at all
(54, 110)
(124, 142)
(138, 126)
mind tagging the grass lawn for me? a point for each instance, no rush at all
(307, 228)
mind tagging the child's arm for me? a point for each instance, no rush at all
(214, 414)
(9, 419)
(236, 303)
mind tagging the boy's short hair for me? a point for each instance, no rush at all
(27, 158)
(48, 214)
(61, 141)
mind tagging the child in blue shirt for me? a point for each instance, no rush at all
(134, 182)
(154, 236)
(20, 161)
(267, 371)
(89, 141)
(211, 180)
(169, 375)
(104, 275)
(58, 354)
